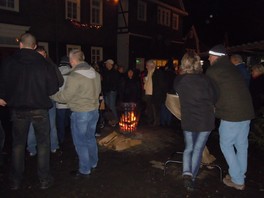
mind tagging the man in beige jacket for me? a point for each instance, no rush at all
(81, 93)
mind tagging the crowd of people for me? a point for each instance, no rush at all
(45, 99)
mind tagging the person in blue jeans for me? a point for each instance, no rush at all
(81, 93)
(197, 97)
(31, 141)
(235, 110)
(54, 144)
(62, 122)
(63, 112)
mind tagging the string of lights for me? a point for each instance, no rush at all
(84, 26)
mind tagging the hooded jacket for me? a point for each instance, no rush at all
(82, 89)
(27, 80)
(65, 70)
(234, 103)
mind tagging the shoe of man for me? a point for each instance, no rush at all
(228, 182)
(228, 177)
(101, 125)
(46, 183)
(77, 175)
(54, 151)
(188, 182)
(113, 123)
(14, 185)
(32, 154)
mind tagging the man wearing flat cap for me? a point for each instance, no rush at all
(234, 109)
(110, 85)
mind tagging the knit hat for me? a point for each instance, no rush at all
(218, 50)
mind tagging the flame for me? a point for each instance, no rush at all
(128, 122)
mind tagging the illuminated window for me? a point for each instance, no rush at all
(160, 62)
(96, 12)
(73, 9)
(142, 11)
(163, 62)
(12, 5)
(96, 54)
(164, 16)
(175, 21)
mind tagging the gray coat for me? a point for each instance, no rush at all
(234, 103)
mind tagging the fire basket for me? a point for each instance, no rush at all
(129, 118)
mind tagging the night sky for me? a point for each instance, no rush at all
(235, 21)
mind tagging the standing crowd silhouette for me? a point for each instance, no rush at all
(44, 100)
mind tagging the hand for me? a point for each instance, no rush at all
(2, 102)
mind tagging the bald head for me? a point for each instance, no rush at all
(76, 57)
(27, 40)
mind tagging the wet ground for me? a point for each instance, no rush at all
(137, 172)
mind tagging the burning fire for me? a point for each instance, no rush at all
(128, 121)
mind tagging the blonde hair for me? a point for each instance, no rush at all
(190, 63)
(77, 54)
(151, 63)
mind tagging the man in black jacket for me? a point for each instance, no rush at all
(27, 80)
(110, 85)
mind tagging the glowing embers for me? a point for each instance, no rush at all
(129, 118)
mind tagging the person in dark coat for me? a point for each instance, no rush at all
(131, 88)
(257, 88)
(197, 97)
(170, 74)
(237, 60)
(235, 110)
(110, 86)
(26, 82)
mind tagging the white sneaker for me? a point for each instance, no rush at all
(32, 154)
(54, 151)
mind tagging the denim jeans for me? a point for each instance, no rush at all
(54, 144)
(83, 125)
(110, 100)
(21, 120)
(192, 155)
(62, 121)
(234, 145)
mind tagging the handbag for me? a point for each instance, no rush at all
(172, 102)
